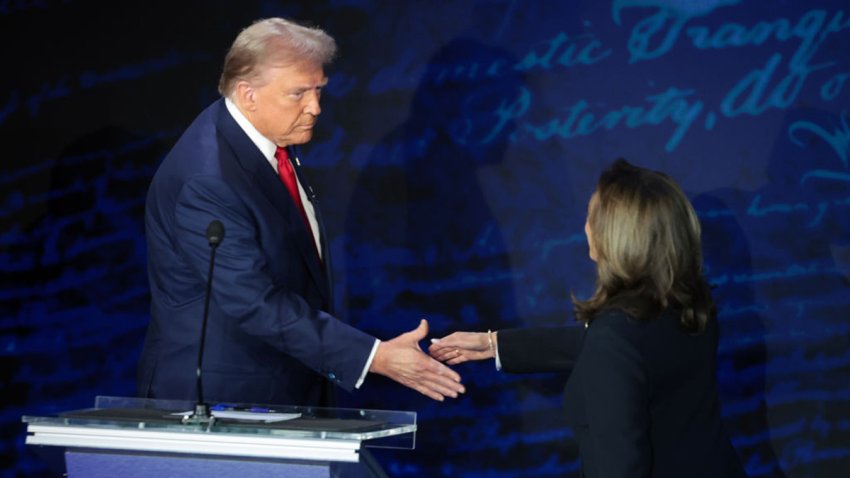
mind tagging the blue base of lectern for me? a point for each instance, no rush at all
(97, 464)
(133, 438)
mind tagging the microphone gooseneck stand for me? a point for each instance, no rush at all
(202, 415)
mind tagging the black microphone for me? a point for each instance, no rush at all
(215, 233)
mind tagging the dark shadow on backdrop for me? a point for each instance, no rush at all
(803, 213)
(422, 241)
(796, 221)
(743, 352)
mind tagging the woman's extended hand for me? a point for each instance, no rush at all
(461, 347)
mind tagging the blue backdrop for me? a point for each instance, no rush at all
(458, 145)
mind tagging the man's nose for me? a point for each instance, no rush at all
(312, 106)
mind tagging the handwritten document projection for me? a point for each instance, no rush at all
(457, 147)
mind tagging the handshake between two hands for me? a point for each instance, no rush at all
(401, 359)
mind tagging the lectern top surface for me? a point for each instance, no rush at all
(249, 419)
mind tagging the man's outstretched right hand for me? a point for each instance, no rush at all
(402, 360)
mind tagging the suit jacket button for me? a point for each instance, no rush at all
(331, 376)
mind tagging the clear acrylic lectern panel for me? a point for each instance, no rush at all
(132, 437)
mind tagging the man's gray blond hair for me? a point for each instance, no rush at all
(273, 42)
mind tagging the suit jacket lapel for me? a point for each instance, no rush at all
(262, 175)
(323, 244)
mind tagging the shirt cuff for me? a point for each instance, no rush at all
(368, 364)
(498, 362)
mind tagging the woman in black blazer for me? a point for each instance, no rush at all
(642, 391)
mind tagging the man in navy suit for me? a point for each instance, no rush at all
(271, 337)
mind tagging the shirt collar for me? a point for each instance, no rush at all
(266, 147)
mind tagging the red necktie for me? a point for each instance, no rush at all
(287, 175)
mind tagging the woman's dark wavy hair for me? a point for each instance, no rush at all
(646, 237)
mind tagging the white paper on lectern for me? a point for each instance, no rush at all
(265, 417)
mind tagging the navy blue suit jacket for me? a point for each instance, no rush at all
(641, 397)
(270, 337)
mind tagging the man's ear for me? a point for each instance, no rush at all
(245, 96)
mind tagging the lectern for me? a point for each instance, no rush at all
(133, 438)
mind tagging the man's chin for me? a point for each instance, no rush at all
(301, 138)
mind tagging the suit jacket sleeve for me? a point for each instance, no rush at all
(539, 349)
(244, 290)
(616, 390)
